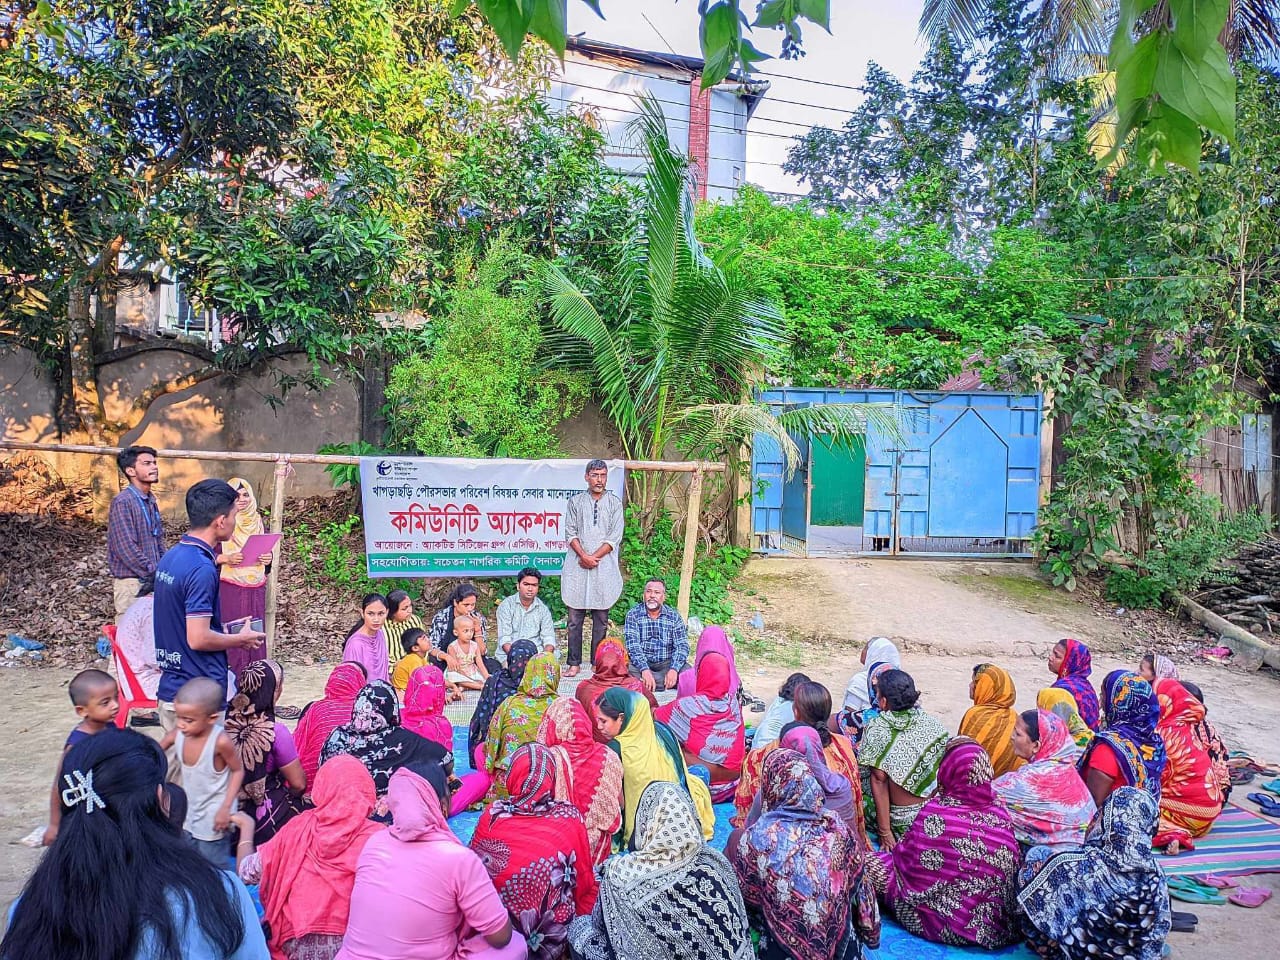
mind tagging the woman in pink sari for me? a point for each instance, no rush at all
(953, 877)
(708, 722)
(424, 706)
(711, 640)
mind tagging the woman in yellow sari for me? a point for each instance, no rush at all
(517, 719)
(650, 753)
(243, 588)
(1061, 702)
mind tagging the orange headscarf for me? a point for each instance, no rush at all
(991, 719)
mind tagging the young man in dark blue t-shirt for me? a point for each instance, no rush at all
(189, 638)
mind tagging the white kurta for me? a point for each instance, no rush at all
(592, 523)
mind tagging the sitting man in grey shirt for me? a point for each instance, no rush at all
(523, 616)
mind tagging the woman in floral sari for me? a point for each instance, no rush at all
(1071, 662)
(588, 774)
(1047, 801)
(1128, 750)
(1190, 789)
(953, 877)
(610, 668)
(535, 850)
(518, 718)
(502, 683)
(802, 871)
(991, 719)
(900, 750)
(274, 783)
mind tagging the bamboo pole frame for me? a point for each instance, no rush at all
(283, 462)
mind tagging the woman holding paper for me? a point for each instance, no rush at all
(243, 590)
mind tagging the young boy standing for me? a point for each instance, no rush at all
(97, 701)
(211, 769)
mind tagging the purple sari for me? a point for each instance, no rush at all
(1073, 676)
(952, 878)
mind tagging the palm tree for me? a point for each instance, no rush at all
(675, 368)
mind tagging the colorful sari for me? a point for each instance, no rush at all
(535, 850)
(1073, 677)
(1047, 801)
(838, 790)
(953, 877)
(708, 722)
(801, 869)
(841, 758)
(1130, 732)
(650, 753)
(308, 870)
(908, 746)
(990, 721)
(251, 725)
(1163, 667)
(588, 774)
(1062, 704)
(326, 715)
(375, 738)
(673, 897)
(500, 685)
(711, 640)
(518, 718)
(1190, 789)
(1108, 900)
(424, 706)
(609, 669)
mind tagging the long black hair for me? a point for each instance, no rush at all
(812, 705)
(117, 865)
(369, 598)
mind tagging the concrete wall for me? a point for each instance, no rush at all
(225, 413)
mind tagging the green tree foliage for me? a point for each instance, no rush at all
(873, 302)
(482, 391)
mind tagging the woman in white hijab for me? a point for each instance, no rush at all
(878, 650)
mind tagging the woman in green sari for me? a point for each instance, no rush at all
(899, 754)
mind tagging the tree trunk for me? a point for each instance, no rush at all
(84, 375)
(373, 398)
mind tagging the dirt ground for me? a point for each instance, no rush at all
(945, 616)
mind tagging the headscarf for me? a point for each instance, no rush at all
(500, 685)
(588, 774)
(799, 865)
(879, 650)
(1073, 676)
(1163, 667)
(375, 738)
(990, 721)
(711, 640)
(1191, 794)
(708, 721)
(535, 851)
(518, 717)
(1109, 900)
(837, 791)
(251, 724)
(1047, 801)
(424, 706)
(1130, 731)
(309, 868)
(417, 815)
(649, 753)
(674, 896)
(1063, 705)
(953, 876)
(610, 668)
(322, 717)
(248, 524)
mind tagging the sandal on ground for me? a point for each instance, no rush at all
(1271, 786)
(1269, 806)
(1190, 891)
(1249, 896)
(151, 719)
(1241, 775)
(1215, 881)
(288, 713)
(1179, 925)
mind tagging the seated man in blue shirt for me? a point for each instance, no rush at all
(657, 639)
(190, 641)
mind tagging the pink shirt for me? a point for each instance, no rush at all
(395, 912)
(369, 652)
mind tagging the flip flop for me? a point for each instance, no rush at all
(1191, 891)
(1250, 896)
(1178, 925)
(1271, 786)
(1215, 881)
(1267, 804)
(1241, 775)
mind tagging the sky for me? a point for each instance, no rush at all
(861, 31)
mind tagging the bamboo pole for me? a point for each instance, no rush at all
(277, 526)
(690, 544)
(255, 456)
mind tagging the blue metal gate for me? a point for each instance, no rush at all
(965, 478)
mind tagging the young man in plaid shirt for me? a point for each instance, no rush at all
(135, 535)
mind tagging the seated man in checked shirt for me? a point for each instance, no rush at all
(657, 639)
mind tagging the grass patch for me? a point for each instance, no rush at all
(1027, 591)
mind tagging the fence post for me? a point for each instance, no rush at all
(277, 526)
(690, 544)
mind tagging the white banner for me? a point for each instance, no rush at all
(445, 517)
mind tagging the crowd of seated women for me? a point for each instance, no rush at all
(597, 809)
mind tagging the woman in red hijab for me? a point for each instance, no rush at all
(588, 774)
(708, 723)
(609, 670)
(326, 715)
(537, 854)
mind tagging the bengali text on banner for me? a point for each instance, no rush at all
(444, 517)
